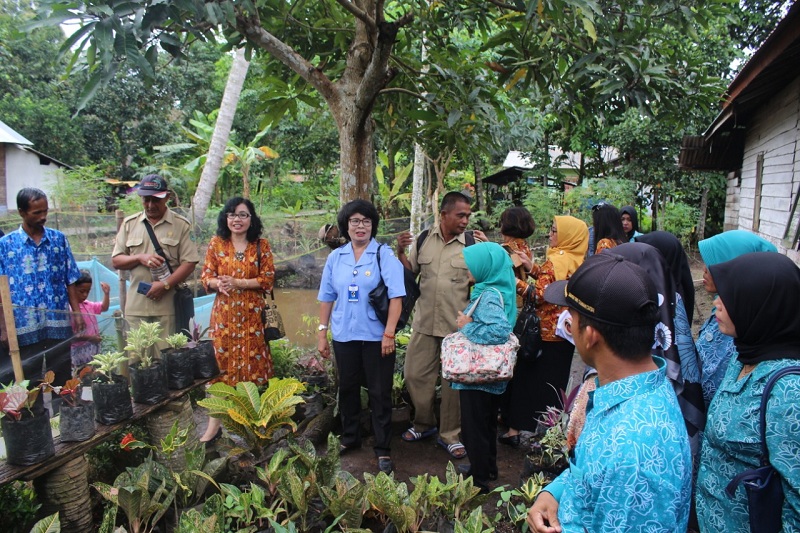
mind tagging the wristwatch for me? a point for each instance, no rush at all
(166, 286)
(322, 327)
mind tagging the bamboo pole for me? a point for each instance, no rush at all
(123, 293)
(11, 328)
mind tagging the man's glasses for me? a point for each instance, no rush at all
(241, 216)
(355, 222)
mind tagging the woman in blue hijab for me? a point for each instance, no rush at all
(491, 322)
(714, 348)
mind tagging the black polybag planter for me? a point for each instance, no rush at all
(77, 421)
(28, 440)
(180, 373)
(149, 385)
(112, 401)
(204, 360)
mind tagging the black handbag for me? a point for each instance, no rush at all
(183, 299)
(379, 296)
(763, 484)
(528, 329)
(270, 316)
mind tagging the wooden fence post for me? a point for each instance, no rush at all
(11, 328)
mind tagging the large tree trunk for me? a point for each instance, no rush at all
(357, 154)
(352, 97)
(219, 139)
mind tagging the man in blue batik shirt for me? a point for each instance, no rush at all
(41, 270)
(631, 469)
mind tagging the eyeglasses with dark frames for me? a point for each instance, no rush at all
(240, 216)
(355, 222)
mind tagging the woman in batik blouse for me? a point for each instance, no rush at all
(757, 306)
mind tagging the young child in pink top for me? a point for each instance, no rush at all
(87, 344)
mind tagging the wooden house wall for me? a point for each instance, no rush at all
(774, 132)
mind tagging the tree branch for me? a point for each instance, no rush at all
(401, 90)
(251, 28)
(360, 14)
(377, 74)
(503, 5)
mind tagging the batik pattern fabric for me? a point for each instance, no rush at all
(605, 244)
(732, 444)
(236, 327)
(548, 313)
(38, 276)
(716, 350)
(631, 470)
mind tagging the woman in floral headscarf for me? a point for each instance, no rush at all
(536, 384)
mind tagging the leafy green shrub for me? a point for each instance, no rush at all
(18, 506)
(680, 220)
(543, 203)
(578, 202)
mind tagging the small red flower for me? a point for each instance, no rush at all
(126, 440)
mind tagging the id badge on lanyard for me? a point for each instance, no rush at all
(352, 293)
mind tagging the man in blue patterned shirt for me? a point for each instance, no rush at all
(631, 469)
(41, 270)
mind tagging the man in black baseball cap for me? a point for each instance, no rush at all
(631, 468)
(153, 185)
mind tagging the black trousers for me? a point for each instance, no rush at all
(355, 359)
(479, 433)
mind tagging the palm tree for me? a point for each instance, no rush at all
(219, 139)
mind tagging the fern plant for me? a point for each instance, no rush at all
(255, 417)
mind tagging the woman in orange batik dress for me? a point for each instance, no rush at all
(235, 271)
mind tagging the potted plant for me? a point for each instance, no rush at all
(548, 453)
(148, 374)
(25, 423)
(76, 415)
(203, 356)
(112, 399)
(180, 373)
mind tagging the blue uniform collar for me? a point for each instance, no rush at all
(612, 394)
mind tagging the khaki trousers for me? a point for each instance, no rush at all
(422, 371)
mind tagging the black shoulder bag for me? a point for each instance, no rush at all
(763, 484)
(270, 317)
(183, 299)
(528, 328)
(379, 296)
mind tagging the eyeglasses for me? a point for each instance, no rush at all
(355, 222)
(241, 216)
(553, 230)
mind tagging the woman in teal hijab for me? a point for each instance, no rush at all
(489, 263)
(714, 348)
(491, 323)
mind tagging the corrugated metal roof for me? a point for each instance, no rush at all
(9, 136)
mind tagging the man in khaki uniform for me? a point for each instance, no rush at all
(134, 251)
(444, 288)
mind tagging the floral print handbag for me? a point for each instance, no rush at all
(464, 361)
